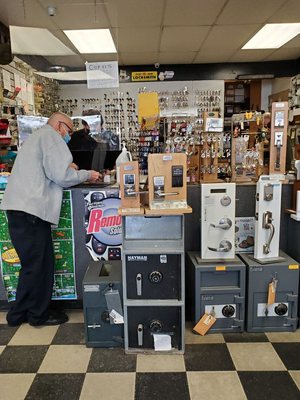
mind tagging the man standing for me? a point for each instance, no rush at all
(32, 199)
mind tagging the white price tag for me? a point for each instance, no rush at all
(116, 317)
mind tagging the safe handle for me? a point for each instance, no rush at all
(140, 331)
(138, 284)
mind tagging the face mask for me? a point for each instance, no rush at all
(67, 138)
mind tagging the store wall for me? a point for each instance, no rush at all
(80, 91)
(280, 84)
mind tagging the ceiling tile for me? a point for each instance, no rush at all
(248, 12)
(141, 58)
(138, 39)
(213, 56)
(191, 12)
(290, 12)
(284, 54)
(25, 13)
(197, 31)
(183, 38)
(251, 55)
(176, 58)
(292, 43)
(89, 16)
(137, 13)
(230, 37)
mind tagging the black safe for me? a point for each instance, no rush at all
(153, 276)
(145, 321)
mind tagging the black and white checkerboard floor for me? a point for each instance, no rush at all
(54, 363)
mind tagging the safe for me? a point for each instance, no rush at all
(102, 300)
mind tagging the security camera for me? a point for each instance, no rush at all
(156, 65)
(51, 11)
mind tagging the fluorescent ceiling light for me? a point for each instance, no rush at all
(273, 36)
(90, 41)
(64, 76)
(36, 41)
(74, 75)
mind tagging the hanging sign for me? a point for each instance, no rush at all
(102, 75)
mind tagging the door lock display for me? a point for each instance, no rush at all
(177, 176)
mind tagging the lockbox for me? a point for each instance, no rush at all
(102, 281)
(281, 315)
(216, 288)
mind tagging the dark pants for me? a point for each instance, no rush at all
(32, 240)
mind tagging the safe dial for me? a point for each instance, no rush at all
(228, 311)
(155, 277)
(281, 309)
(155, 326)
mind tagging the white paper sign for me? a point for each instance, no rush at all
(162, 342)
(102, 75)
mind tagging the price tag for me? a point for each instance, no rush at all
(205, 323)
(116, 317)
(272, 292)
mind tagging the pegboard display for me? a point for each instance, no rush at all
(45, 96)
(16, 89)
(119, 111)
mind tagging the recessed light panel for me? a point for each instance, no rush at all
(273, 36)
(90, 41)
(36, 41)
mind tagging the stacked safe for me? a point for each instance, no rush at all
(153, 283)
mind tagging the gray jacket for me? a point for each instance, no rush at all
(39, 174)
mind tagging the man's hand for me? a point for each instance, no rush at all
(73, 165)
(94, 176)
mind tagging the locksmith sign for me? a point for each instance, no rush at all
(144, 76)
(102, 75)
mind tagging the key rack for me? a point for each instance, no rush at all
(246, 152)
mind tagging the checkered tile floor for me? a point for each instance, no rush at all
(53, 363)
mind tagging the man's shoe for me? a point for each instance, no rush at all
(16, 323)
(56, 318)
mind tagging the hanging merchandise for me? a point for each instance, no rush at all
(278, 138)
(167, 182)
(124, 156)
(267, 226)
(129, 188)
(247, 147)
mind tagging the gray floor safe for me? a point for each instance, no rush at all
(153, 281)
(101, 277)
(216, 287)
(282, 315)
